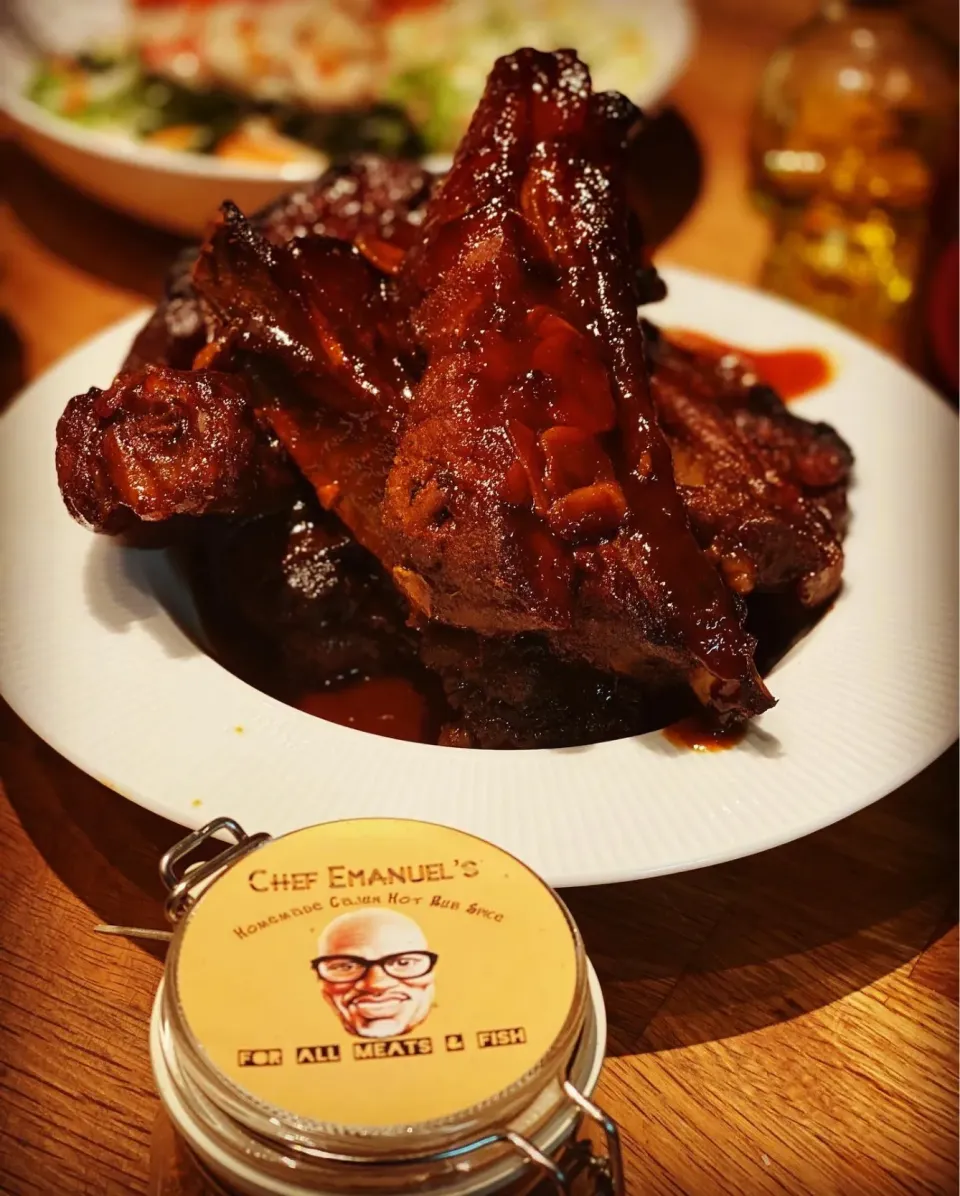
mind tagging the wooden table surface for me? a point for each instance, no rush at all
(782, 1024)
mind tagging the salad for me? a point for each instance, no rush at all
(278, 81)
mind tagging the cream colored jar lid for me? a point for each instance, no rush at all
(376, 973)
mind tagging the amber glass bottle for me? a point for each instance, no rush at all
(851, 125)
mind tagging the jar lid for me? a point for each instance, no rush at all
(368, 976)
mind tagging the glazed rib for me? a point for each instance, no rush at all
(765, 491)
(162, 443)
(318, 334)
(371, 202)
(459, 373)
(532, 488)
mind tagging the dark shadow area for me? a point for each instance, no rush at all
(13, 374)
(722, 951)
(105, 849)
(666, 174)
(91, 237)
(125, 586)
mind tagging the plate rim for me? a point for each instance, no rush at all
(100, 144)
(571, 877)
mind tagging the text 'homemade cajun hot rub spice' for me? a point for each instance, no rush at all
(355, 1007)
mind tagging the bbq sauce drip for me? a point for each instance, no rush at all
(699, 735)
(792, 373)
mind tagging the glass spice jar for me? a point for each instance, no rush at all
(851, 125)
(379, 1006)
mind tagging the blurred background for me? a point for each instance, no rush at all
(805, 146)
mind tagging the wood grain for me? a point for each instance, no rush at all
(783, 1024)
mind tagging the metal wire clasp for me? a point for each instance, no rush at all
(610, 1167)
(185, 885)
(606, 1170)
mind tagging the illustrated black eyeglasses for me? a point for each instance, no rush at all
(348, 969)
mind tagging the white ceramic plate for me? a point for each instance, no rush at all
(94, 658)
(180, 191)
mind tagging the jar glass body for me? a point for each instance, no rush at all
(852, 120)
(197, 1153)
(176, 1171)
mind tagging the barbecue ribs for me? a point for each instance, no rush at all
(765, 491)
(162, 443)
(527, 486)
(563, 496)
(374, 203)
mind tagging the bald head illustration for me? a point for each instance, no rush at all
(376, 972)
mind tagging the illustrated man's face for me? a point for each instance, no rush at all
(376, 972)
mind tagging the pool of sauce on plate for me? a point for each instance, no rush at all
(792, 373)
(391, 706)
(699, 735)
(403, 703)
